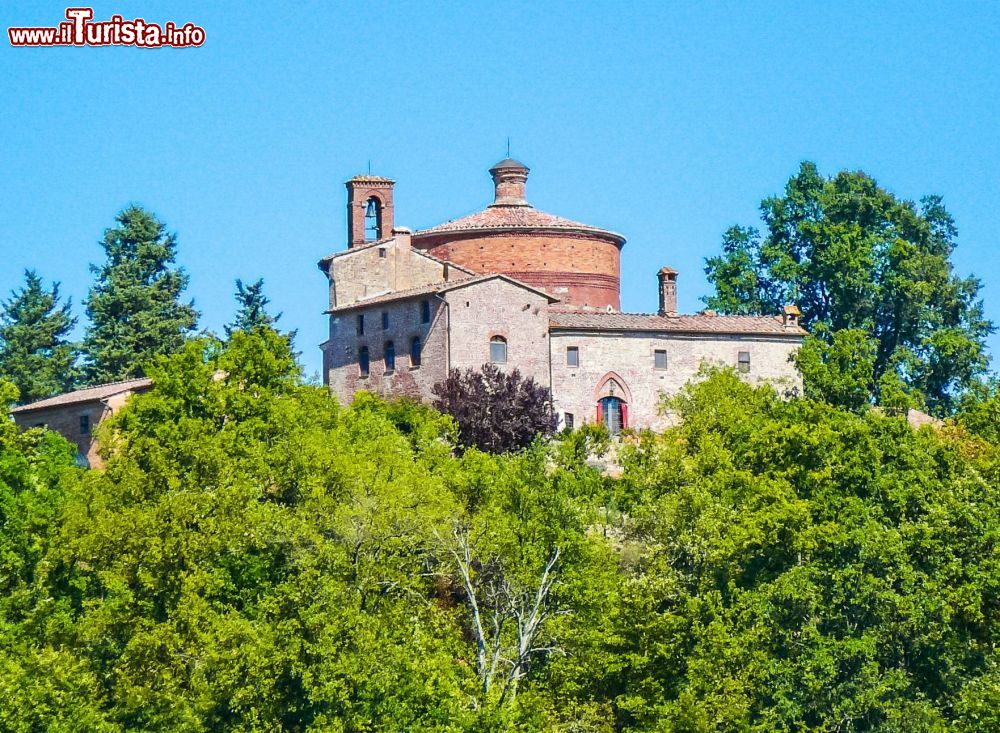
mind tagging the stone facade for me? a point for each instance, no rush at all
(453, 322)
(625, 363)
(497, 307)
(545, 286)
(76, 415)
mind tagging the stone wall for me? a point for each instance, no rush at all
(65, 420)
(480, 311)
(629, 358)
(381, 268)
(340, 352)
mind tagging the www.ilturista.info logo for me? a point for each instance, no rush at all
(80, 30)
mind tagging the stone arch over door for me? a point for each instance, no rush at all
(621, 389)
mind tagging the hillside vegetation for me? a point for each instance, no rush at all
(257, 558)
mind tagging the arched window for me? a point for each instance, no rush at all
(390, 357)
(363, 361)
(425, 311)
(373, 219)
(498, 350)
(415, 347)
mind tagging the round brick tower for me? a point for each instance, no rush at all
(577, 263)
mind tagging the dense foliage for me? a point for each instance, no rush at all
(873, 277)
(255, 557)
(35, 353)
(135, 307)
(495, 410)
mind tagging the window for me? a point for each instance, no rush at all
(743, 363)
(573, 356)
(390, 357)
(363, 361)
(381, 253)
(415, 352)
(84, 424)
(425, 311)
(498, 350)
(373, 219)
(361, 324)
(659, 359)
(385, 320)
(568, 419)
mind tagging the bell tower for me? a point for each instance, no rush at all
(369, 209)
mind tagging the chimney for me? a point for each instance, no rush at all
(790, 315)
(399, 267)
(369, 209)
(403, 237)
(668, 291)
(509, 178)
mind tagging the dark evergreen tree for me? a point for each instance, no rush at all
(496, 411)
(252, 313)
(853, 256)
(35, 354)
(134, 307)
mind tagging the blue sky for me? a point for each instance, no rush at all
(667, 122)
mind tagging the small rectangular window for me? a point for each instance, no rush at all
(425, 311)
(573, 356)
(498, 350)
(568, 418)
(744, 362)
(84, 424)
(385, 320)
(660, 359)
(361, 324)
(381, 252)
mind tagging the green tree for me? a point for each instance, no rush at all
(853, 256)
(805, 568)
(34, 352)
(838, 367)
(134, 306)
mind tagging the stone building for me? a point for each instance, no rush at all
(517, 287)
(75, 415)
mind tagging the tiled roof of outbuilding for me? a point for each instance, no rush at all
(89, 394)
(700, 323)
(512, 218)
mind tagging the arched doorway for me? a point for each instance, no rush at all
(612, 403)
(613, 412)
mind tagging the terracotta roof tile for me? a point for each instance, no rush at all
(397, 295)
(758, 325)
(89, 394)
(502, 217)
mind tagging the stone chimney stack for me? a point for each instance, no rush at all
(369, 209)
(668, 291)
(790, 316)
(509, 178)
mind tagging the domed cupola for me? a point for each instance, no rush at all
(577, 263)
